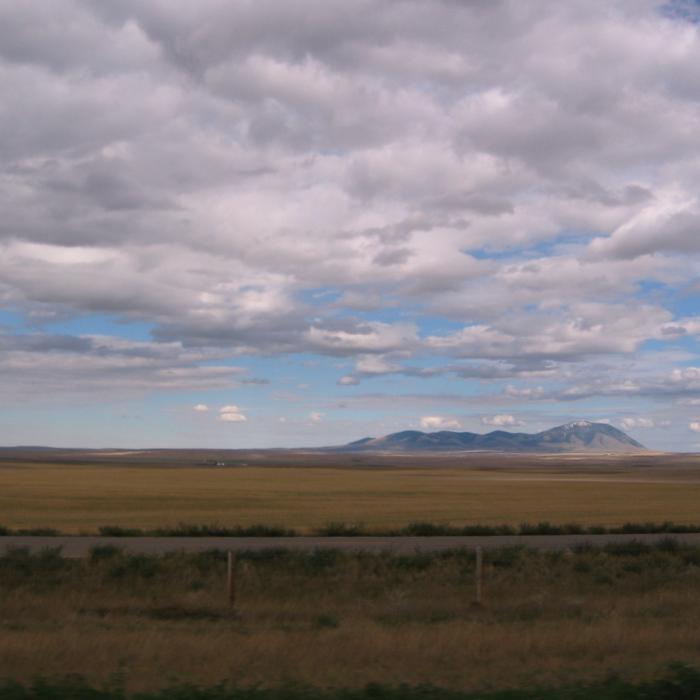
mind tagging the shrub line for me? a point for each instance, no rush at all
(339, 529)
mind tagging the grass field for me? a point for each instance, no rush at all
(343, 620)
(83, 497)
(329, 619)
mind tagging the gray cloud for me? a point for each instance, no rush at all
(204, 167)
(50, 368)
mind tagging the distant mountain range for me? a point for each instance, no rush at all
(579, 436)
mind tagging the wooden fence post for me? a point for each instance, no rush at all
(231, 580)
(479, 574)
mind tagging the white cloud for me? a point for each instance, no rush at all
(694, 426)
(243, 183)
(315, 417)
(231, 414)
(232, 418)
(637, 422)
(200, 408)
(502, 420)
(376, 364)
(670, 223)
(370, 337)
(348, 380)
(439, 423)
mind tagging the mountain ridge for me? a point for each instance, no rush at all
(577, 436)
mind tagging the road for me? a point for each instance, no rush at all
(80, 546)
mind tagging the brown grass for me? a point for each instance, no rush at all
(79, 497)
(346, 622)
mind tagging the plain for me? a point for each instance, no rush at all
(304, 491)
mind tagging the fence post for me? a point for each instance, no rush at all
(231, 579)
(479, 574)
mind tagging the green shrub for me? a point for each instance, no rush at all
(326, 622)
(215, 530)
(338, 529)
(134, 566)
(505, 557)
(118, 531)
(104, 551)
(421, 561)
(37, 532)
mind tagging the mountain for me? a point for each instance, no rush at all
(579, 436)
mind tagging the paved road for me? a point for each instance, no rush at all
(80, 546)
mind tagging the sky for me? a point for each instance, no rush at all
(266, 223)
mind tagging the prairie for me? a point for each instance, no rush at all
(329, 619)
(77, 494)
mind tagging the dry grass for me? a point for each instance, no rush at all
(84, 497)
(350, 620)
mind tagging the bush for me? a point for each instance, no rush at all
(634, 548)
(19, 567)
(338, 529)
(326, 622)
(134, 566)
(424, 529)
(477, 530)
(214, 530)
(506, 557)
(118, 531)
(104, 551)
(544, 528)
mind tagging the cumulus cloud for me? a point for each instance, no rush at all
(360, 184)
(694, 426)
(670, 223)
(369, 172)
(315, 416)
(439, 423)
(501, 420)
(200, 408)
(231, 414)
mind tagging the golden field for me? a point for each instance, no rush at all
(347, 620)
(82, 496)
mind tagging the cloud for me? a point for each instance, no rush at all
(315, 417)
(439, 423)
(244, 184)
(637, 422)
(348, 380)
(501, 420)
(670, 223)
(694, 426)
(382, 204)
(365, 337)
(40, 366)
(200, 408)
(231, 414)
(574, 333)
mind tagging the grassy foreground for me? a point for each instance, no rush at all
(85, 497)
(332, 620)
(679, 683)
